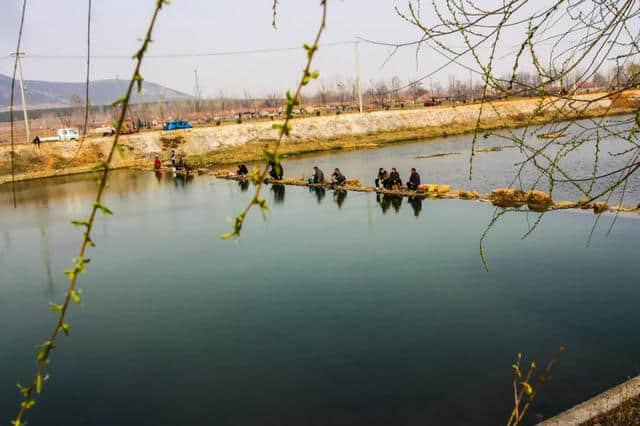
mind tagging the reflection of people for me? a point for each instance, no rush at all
(276, 171)
(339, 196)
(157, 164)
(244, 185)
(416, 203)
(318, 175)
(158, 176)
(337, 179)
(396, 202)
(384, 201)
(319, 191)
(414, 180)
(242, 170)
(278, 193)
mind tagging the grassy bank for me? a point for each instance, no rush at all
(252, 151)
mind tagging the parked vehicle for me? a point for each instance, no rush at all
(69, 134)
(105, 131)
(129, 127)
(177, 124)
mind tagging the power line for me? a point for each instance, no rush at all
(188, 55)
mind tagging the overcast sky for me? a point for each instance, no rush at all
(203, 26)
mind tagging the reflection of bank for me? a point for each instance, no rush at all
(339, 196)
(319, 191)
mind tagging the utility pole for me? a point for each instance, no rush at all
(358, 76)
(198, 95)
(24, 99)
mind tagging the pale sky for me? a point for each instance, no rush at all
(58, 27)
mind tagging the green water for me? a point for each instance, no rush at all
(329, 312)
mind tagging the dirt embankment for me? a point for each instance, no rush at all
(215, 146)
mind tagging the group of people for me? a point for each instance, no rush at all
(392, 180)
(337, 178)
(177, 162)
(385, 180)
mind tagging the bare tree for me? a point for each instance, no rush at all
(396, 86)
(222, 99)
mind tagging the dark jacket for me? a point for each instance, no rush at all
(339, 178)
(414, 178)
(318, 176)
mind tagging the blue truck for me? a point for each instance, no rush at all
(177, 124)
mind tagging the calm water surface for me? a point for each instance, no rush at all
(333, 311)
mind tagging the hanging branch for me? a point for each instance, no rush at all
(283, 130)
(86, 95)
(275, 12)
(13, 86)
(73, 292)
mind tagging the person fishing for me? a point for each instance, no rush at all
(394, 178)
(337, 179)
(414, 180)
(382, 177)
(318, 175)
(276, 171)
(242, 170)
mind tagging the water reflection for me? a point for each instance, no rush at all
(416, 204)
(159, 176)
(42, 220)
(181, 180)
(278, 193)
(319, 191)
(244, 185)
(389, 200)
(339, 196)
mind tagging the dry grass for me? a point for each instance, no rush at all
(627, 414)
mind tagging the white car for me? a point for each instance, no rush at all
(68, 134)
(105, 131)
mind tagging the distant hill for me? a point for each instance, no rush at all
(51, 94)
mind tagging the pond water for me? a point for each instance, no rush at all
(332, 311)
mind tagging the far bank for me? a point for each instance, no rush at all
(212, 147)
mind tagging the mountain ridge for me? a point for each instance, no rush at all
(52, 94)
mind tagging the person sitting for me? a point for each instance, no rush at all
(337, 179)
(242, 170)
(276, 171)
(414, 180)
(394, 179)
(382, 176)
(157, 164)
(318, 175)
